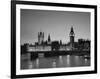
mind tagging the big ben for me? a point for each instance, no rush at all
(72, 35)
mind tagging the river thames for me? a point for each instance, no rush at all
(54, 62)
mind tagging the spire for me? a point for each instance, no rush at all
(49, 39)
(72, 31)
(40, 32)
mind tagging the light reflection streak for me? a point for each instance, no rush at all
(68, 60)
(54, 63)
(37, 63)
(30, 65)
(60, 60)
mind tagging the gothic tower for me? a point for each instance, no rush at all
(72, 35)
(40, 37)
(49, 39)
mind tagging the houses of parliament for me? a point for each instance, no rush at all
(50, 45)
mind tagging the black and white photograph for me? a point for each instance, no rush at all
(55, 39)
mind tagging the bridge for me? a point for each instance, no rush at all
(36, 54)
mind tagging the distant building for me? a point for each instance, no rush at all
(83, 44)
(72, 35)
(49, 45)
(49, 39)
(40, 37)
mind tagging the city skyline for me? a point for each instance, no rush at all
(55, 23)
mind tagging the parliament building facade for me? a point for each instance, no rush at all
(50, 45)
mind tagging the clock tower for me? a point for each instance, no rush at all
(72, 35)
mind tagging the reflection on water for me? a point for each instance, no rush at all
(30, 65)
(60, 60)
(37, 63)
(68, 60)
(55, 62)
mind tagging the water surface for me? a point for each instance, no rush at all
(54, 62)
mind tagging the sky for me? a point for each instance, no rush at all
(56, 23)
